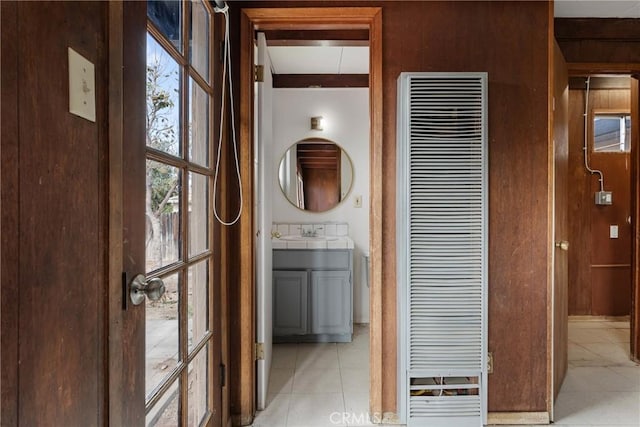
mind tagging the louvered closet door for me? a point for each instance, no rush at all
(442, 234)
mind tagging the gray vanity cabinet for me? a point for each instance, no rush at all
(290, 302)
(312, 295)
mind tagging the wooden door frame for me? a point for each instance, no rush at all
(306, 19)
(633, 69)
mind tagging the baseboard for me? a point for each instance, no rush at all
(586, 318)
(515, 418)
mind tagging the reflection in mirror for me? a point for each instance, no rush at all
(315, 174)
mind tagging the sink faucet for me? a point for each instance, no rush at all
(309, 233)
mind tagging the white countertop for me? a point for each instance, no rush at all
(320, 242)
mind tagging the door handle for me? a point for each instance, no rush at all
(563, 244)
(140, 286)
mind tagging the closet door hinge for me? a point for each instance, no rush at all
(259, 351)
(258, 73)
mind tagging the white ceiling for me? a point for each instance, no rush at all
(319, 59)
(597, 9)
(355, 60)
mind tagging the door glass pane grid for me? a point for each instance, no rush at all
(166, 15)
(198, 213)
(163, 99)
(198, 392)
(185, 147)
(198, 303)
(166, 413)
(162, 335)
(199, 39)
(198, 124)
(163, 215)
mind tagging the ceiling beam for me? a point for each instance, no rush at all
(320, 80)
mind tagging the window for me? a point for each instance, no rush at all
(612, 132)
(181, 335)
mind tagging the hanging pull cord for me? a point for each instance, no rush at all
(226, 73)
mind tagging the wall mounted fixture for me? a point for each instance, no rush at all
(316, 123)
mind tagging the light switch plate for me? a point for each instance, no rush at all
(82, 86)
(613, 231)
(357, 202)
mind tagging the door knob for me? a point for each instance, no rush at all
(563, 244)
(140, 286)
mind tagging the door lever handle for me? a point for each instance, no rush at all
(140, 286)
(563, 244)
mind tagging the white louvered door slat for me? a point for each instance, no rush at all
(442, 243)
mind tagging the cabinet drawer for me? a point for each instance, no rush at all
(333, 259)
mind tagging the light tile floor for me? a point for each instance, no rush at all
(328, 384)
(602, 386)
(319, 384)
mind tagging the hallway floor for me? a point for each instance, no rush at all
(328, 384)
(602, 386)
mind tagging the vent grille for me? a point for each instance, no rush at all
(445, 242)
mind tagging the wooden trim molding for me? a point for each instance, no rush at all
(518, 418)
(9, 214)
(635, 215)
(348, 18)
(584, 68)
(320, 80)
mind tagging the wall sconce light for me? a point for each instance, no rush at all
(316, 123)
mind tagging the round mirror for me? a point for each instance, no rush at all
(315, 174)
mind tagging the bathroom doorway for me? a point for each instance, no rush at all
(600, 324)
(353, 23)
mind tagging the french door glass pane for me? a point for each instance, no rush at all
(166, 412)
(198, 124)
(198, 393)
(198, 302)
(163, 215)
(161, 332)
(198, 213)
(167, 16)
(199, 42)
(163, 99)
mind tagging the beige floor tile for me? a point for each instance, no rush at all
(317, 381)
(280, 381)
(316, 410)
(317, 356)
(614, 354)
(357, 409)
(597, 408)
(353, 356)
(355, 380)
(284, 356)
(275, 414)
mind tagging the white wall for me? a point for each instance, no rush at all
(346, 122)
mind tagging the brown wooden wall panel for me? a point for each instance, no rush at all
(62, 222)
(580, 201)
(470, 36)
(588, 223)
(617, 174)
(611, 293)
(9, 221)
(596, 40)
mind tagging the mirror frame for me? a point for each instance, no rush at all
(342, 196)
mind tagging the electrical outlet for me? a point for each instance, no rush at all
(357, 202)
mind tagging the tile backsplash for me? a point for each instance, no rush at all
(320, 228)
